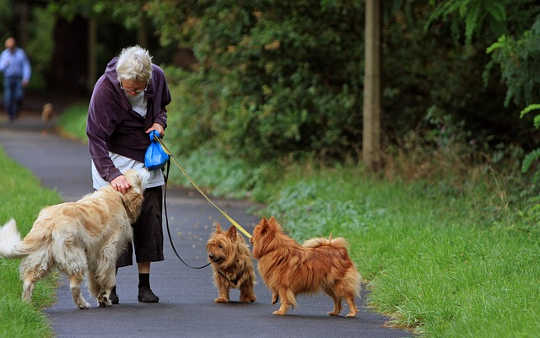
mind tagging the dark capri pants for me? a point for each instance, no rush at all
(147, 231)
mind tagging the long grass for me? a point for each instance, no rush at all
(22, 198)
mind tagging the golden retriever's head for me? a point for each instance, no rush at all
(222, 247)
(263, 236)
(136, 179)
(133, 198)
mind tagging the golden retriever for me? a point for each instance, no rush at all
(79, 238)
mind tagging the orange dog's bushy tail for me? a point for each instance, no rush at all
(352, 277)
(339, 242)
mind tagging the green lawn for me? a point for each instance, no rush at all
(22, 198)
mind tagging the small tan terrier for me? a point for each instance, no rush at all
(231, 262)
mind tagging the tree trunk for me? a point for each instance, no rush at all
(23, 24)
(142, 32)
(92, 53)
(372, 86)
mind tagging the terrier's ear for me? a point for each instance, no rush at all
(218, 228)
(273, 222)
(231, 233)
(274, 225)
(263, 226)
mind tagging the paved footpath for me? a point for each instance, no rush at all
(186, 307)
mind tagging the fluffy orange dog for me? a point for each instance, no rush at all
(289, 268)
(231, 262)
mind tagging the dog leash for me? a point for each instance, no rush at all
(229, 218)
(166, 177)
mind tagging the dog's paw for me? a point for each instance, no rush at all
(333, 314)
(221, 300)
(248, 299)
(104, 301)
(83, 305)
(351, 315)
(279, 313)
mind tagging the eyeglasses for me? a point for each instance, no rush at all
(133, 91)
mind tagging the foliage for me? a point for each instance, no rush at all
(516, 51)
(518, 60)
(533, 212)
(69, 9)
(234, 178)
(474, 13)
(6, 19)
(267, 88)
(288, 74)
(40, 42)
(40, 45)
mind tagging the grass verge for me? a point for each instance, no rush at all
(72, 122)
(22, 198)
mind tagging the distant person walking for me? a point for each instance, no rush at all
(16, 68)
(127, 103)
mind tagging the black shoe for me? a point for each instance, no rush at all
(113, 296)
(147, 296)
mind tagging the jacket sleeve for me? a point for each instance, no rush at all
(3, 62)
(100, 125)
(165, 99)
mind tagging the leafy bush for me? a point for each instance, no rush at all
(285, 76)
(518, 60)
(41, 45)
(280, 78)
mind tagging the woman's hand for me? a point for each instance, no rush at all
(157, 127)
(120, 184)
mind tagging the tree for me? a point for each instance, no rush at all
(372, 85)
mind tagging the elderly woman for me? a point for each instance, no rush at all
(127, 103)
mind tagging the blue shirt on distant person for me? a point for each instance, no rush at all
(15, 64)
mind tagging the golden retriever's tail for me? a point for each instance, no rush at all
(11, 245)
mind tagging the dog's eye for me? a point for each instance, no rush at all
(220, 246)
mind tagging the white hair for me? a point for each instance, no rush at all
(134, 63)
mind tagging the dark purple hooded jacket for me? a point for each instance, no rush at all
(114, 126)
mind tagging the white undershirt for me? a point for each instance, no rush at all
(139, 103)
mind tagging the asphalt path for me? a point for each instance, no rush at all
(186, 307)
